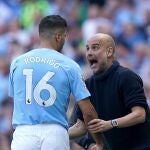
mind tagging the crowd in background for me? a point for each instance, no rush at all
(127, 21)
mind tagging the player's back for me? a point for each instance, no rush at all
(41, 86)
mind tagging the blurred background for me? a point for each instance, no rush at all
(127, 21)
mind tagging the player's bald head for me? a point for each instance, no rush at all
(105, 40)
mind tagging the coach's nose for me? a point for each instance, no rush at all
(89, 52)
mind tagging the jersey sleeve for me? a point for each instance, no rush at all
(131, 88)
(12, 68)
(77, 84)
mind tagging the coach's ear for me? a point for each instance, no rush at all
(110, 51)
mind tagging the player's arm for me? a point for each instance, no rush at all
(81, 95)
(89, 114)
(77, 130)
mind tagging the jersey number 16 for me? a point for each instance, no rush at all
(41, 85)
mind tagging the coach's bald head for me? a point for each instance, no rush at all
(100, 52)
(105, 40)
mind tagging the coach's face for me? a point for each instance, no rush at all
(96, 55)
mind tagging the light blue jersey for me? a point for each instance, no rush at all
(41, 82)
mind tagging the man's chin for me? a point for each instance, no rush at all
(94, 71)
(97, 71)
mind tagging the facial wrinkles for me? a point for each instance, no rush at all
(101, 56)
(93, 45)
(93, 49)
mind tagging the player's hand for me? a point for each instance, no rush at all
(99, 125)
(95, 147)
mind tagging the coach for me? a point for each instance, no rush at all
(118, 96)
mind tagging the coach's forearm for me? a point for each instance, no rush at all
(137, 116)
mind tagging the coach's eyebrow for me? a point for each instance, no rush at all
(96, 44)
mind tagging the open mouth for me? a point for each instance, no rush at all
(93, 62)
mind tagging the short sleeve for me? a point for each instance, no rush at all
(131, 88)
(12, 68)
(78, 87)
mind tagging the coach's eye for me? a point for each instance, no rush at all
(95, 47)
(87, 48)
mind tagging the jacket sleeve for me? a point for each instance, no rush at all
(131, 88)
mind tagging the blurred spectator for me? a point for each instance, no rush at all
(15, 49)
(4, 38)
(4, 144)
(123, 54)
(98, 2)
(125, 13)
(5, 124)
(144, 72)
(131, 35)
(9, 9)
(29, 9)
(15, 32)
(140, 52)
(90, 25)
(4, 71)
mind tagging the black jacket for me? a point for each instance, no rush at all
(113, 94)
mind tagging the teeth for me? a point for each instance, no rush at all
(93, 64)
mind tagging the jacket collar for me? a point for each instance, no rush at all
(108, 72)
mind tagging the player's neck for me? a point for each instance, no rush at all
(47, 45)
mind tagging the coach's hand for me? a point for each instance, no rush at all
(95, 147)
(99, 125)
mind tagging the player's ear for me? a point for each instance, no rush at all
(58, 36)
(110, 51)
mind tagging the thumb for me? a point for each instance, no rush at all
(94, 147)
